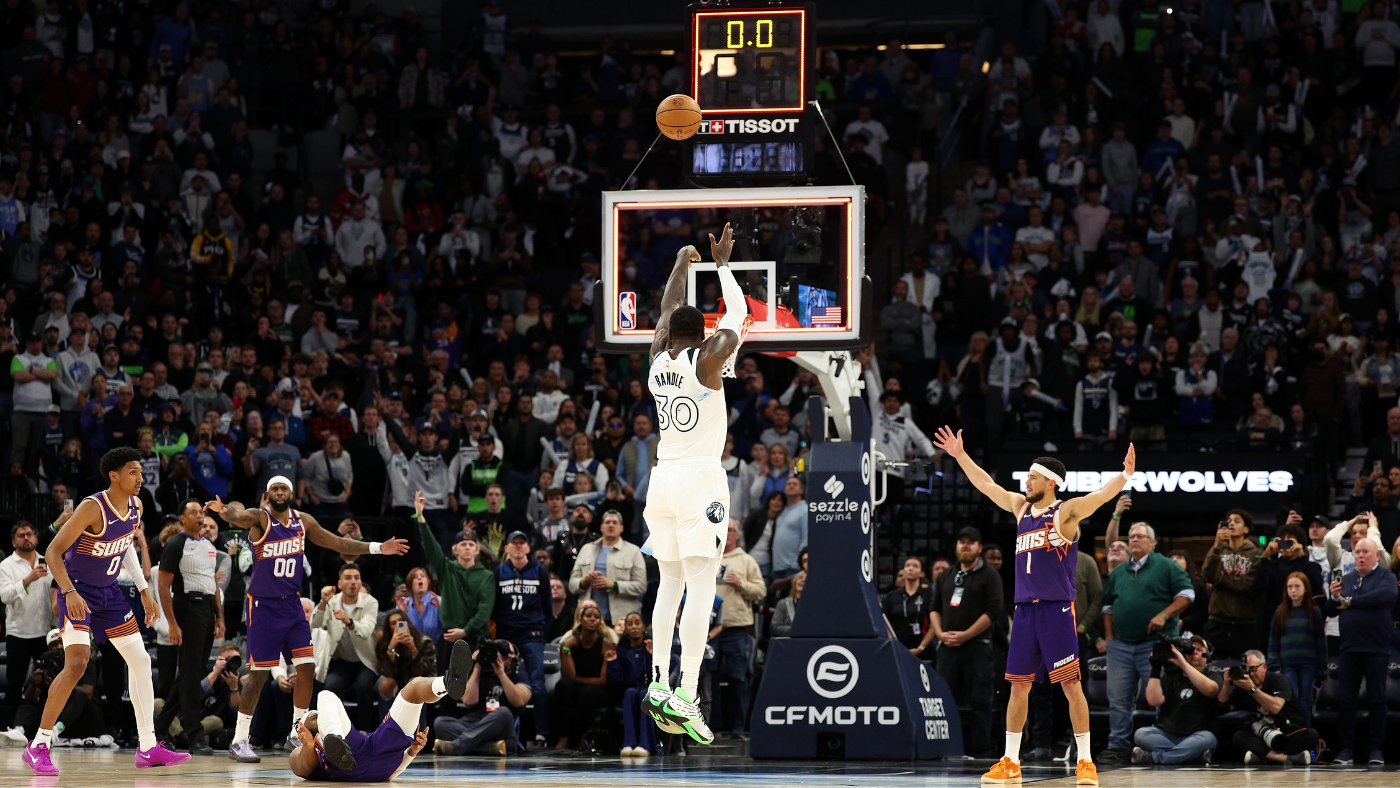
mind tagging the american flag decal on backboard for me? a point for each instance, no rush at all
(826, 316)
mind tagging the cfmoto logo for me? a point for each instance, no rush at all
(835, 676)
(833, 487)
(923, 674)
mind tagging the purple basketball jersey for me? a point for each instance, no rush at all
(277, 558)
(1045, 559)
(95, 559)
(377, 755)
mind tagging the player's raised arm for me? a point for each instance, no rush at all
(1076, 509)
(340, 544)
(952, 443)
(234, 513)
(673, 297)
(721, 346)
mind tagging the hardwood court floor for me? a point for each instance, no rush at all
(113, 769)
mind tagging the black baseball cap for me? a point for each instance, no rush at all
(971, 533)
(511, 537)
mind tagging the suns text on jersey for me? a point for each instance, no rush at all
(115, 547)
(1030, 540)
(284, 547)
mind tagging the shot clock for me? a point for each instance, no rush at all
(751, 74)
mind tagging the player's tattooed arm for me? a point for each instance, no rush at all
(673, 297)
(234, 513)
(319, 535)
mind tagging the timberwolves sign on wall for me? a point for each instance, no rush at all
(1177, 481)
(838, 686)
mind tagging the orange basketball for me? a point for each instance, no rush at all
(678, 116)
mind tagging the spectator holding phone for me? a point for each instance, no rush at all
(403, 653)
(24, 588)
(1282, 557)
(1230, 567)
(1343, 560)
(1362, 600)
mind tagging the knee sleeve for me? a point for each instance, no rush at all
(72, 636)
(330, 715)
(406, 714)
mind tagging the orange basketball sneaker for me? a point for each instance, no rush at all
(1004, 772)
(1086, 773)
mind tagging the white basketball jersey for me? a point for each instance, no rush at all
(692, 418)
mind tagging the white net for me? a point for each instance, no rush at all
(712, 325)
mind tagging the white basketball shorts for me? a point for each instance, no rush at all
(687, 509)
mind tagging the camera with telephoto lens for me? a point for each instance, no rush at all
(1162, 649)
(487, 652)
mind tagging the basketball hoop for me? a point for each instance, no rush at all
(712, 325)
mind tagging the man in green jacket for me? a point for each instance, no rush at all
(468, 589)
(1141, 602)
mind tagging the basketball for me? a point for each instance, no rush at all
(678, 116)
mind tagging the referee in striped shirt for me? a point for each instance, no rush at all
(189, 596)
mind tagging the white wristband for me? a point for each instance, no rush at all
(374, 548)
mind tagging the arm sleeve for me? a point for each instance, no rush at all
(736, 308)
(131, 563)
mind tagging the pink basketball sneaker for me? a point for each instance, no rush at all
(159, 756)
(36, 757)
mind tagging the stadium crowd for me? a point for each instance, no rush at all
(1179, 226)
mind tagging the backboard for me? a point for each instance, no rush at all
(799, 255)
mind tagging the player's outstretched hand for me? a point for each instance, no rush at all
(687, 255)
(1129, 462)
(420, 740)
(722, 248)
(949, 442)
(394, 546)
(216, 505)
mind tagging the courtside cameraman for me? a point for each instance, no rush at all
(1184, 697)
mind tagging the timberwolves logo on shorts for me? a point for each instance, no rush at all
(716, 512)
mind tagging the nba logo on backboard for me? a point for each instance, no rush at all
(626, 310)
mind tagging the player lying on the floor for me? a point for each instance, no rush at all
(331, 748)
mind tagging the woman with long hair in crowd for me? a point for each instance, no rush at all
(786, 609)
(403, 654)
(1297, 639)
(758, 532)
(583, 674)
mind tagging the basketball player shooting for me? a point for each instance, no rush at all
(1043, 632)
(687, 510)
(86, 558)
(277, 626)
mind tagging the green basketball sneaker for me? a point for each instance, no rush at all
(681, 710)
(654, 703)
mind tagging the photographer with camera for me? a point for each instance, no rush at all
(1141, 602)
(220, 693)
(189, 597)
(1277, 732)
(1363, 599)
(493, 700)
(1184, 697)
(82, 717)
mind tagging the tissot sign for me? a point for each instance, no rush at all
(1181, 481)
(749, 126)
